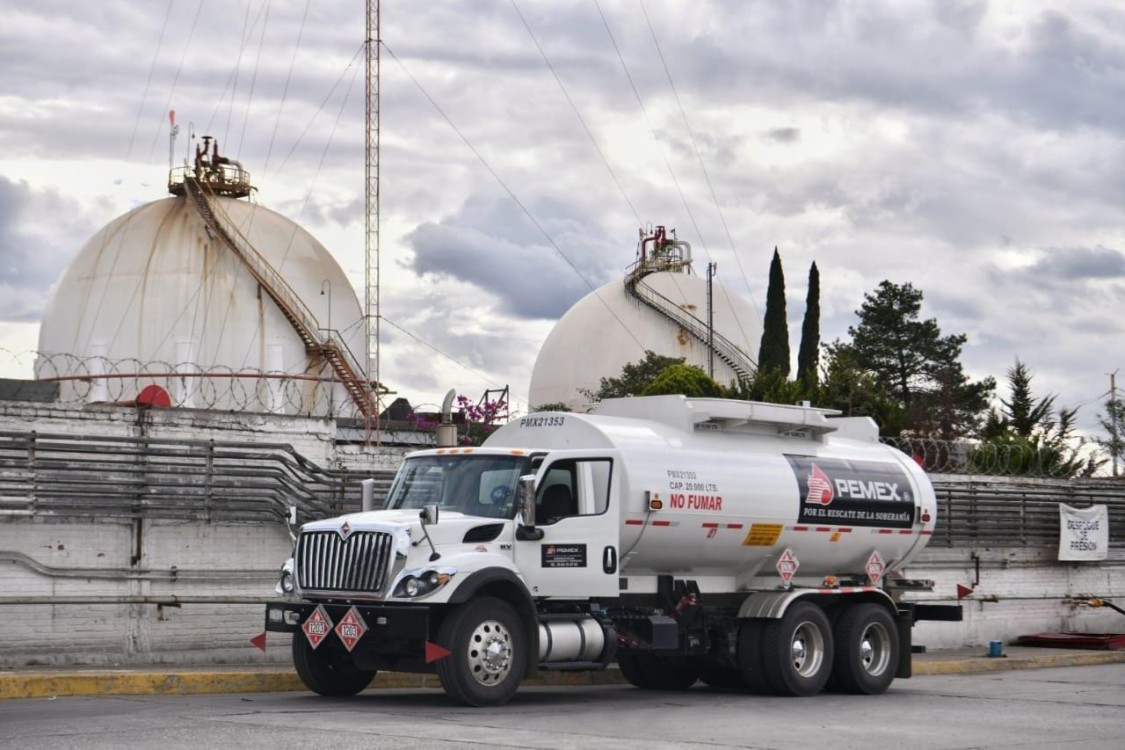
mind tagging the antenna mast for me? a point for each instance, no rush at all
(371, 175)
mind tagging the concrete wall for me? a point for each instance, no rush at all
(1034, 593)
(48, 557)
(241, 561)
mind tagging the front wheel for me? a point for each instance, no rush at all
(328, 670)
(866, 650)
(489, 652)
(797, 651)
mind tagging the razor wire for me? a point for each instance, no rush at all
(101, 380)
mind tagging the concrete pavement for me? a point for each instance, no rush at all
(49, 683)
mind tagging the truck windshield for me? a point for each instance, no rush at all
(474, 485)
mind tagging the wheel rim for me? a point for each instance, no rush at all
(874, 649)
(807, 649)
(490, 653)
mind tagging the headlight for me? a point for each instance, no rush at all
(413, 585)
(286, 584)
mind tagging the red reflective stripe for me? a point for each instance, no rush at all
(661, 523)
(906, 531)
(886, 531)
(634, 522)
(710, 525)
(734, 526)
(844, 531)
(800, 528)
(824, 528)
(926, 533)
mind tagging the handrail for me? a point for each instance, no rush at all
(724, 348)
(334, 349)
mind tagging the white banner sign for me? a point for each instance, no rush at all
(1083, 532)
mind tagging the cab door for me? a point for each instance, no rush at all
(578, 510)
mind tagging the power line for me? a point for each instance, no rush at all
(512, 195)
(577, 114)
(695, 148)
(487, 379)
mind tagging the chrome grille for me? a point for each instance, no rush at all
(359, 563)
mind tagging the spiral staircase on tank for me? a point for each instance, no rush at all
(724, 348)
(328, 344)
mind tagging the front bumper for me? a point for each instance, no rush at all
(393, 637)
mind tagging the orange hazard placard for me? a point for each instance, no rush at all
(763, 535)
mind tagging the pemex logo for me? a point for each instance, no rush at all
(820, 487)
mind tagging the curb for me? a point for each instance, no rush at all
(983, 664)
(29, 684)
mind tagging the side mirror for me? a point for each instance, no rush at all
(525, 499)
(291, 522)
(525, 502)
(429, 516)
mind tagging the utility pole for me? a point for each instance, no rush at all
(711, 268)
(1113, 419)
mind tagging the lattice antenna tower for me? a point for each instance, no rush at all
(371, 175)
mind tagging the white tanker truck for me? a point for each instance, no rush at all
(743, 544)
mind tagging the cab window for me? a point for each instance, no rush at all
(574, 487)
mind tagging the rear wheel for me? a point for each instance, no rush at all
(328, 670)
(750, 634)
(866, 650)
(797, 651)
(489, 652)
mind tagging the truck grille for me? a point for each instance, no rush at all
(359, 563)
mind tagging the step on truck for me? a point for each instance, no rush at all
(745, 545)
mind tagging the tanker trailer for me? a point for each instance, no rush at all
(741, 544)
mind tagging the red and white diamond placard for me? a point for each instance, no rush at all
(875, 568)
(351, 628)
(318, 626)
(787, 565)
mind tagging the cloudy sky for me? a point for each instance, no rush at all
(972, 148)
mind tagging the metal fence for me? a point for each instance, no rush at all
(1023, 514)
(204, 480)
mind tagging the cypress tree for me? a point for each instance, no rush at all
(773, 353)
(808, 355)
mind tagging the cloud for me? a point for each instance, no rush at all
(39, 232)
(496, 248)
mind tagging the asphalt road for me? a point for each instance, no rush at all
(1046, 708)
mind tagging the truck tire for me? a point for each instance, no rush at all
(797, 651)
(489, 652)
(328, 670)
(649, 672)
(866, 650)
(750, 634)
(630, 666)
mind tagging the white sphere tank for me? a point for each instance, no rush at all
(608, 329)
(154, 292)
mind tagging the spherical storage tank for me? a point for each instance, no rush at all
(158, 298)
(661, 307)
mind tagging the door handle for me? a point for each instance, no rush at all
(609, 560)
